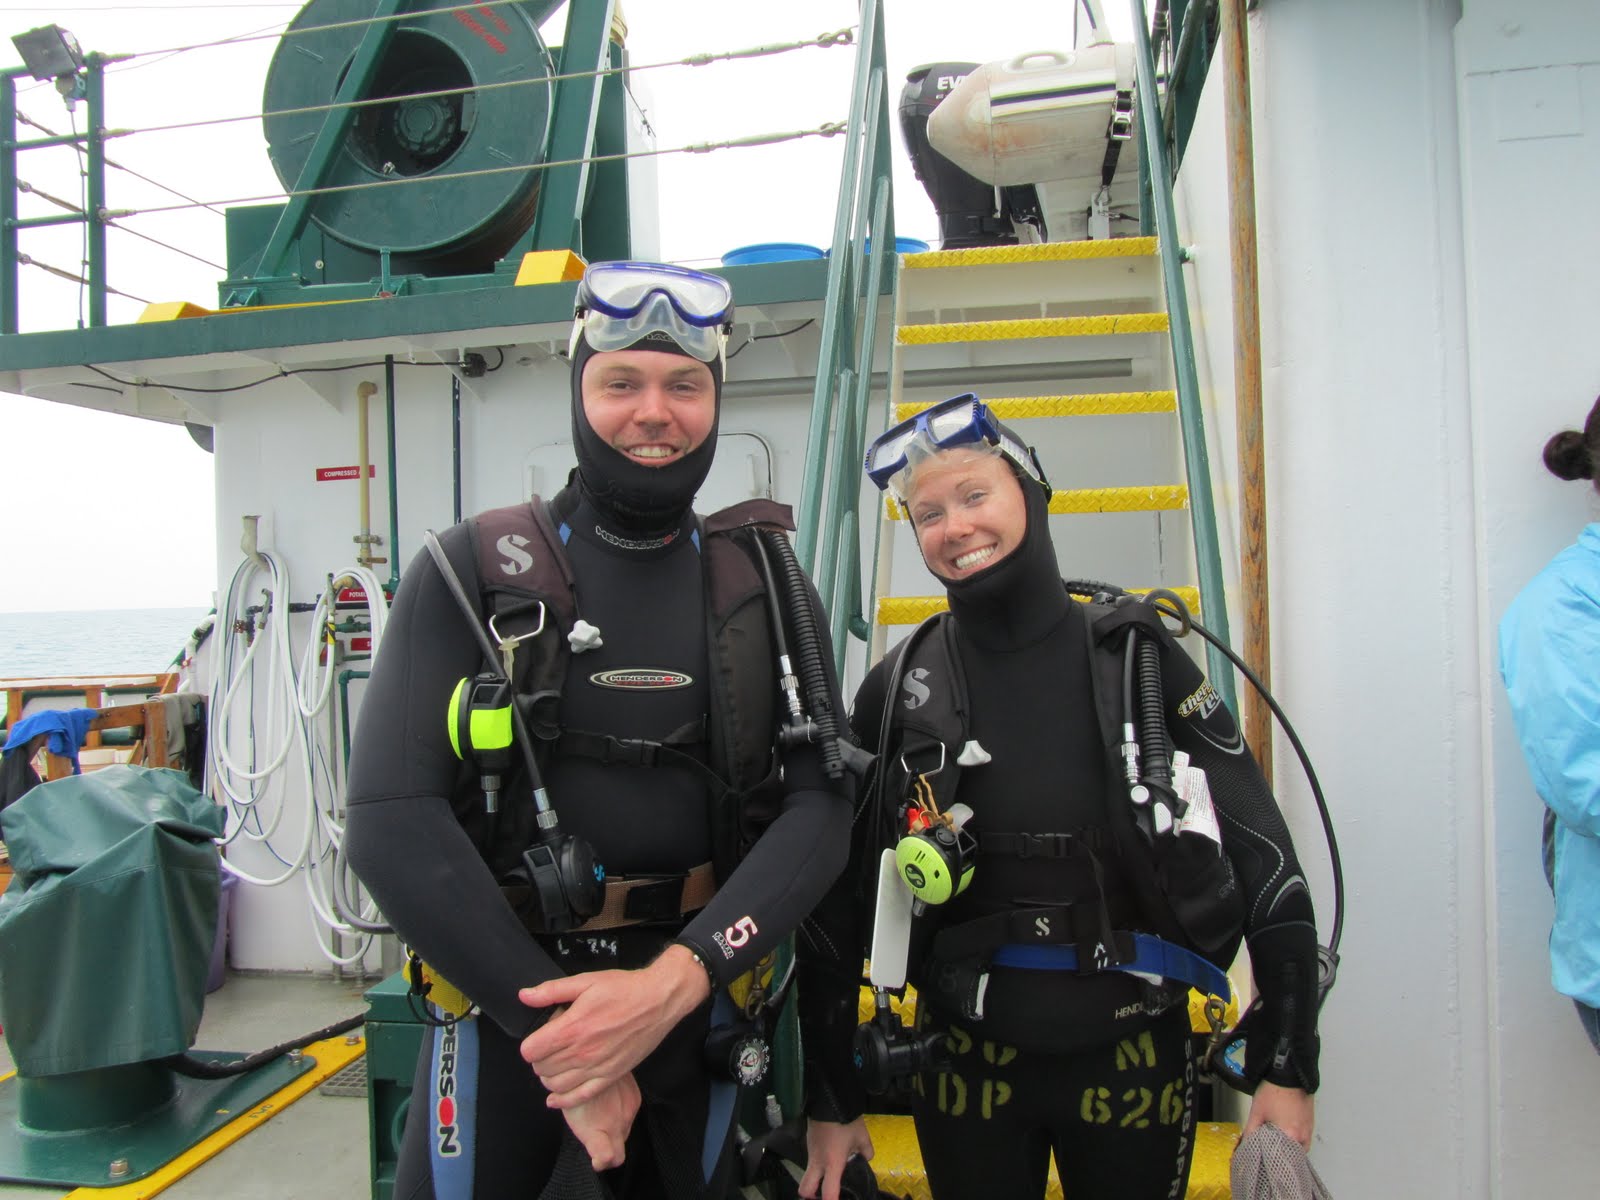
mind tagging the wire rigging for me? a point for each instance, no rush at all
(840, 37)
(825, 130)
(167, 246)
(48, 132)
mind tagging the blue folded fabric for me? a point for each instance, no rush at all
(66, 727)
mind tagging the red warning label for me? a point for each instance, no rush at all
(324, 474)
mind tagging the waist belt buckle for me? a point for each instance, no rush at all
(656, 900)
(628, 752)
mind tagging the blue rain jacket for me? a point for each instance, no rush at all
(67, 728)
(1550, 662)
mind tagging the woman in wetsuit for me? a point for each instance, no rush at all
(1094, 1065)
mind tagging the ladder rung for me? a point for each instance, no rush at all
(1030, 327)
(912, 610)
(982, 256)
(1084, 404)
(1159, 497)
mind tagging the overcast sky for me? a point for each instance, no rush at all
(106, 511)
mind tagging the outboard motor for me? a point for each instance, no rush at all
(967, 207)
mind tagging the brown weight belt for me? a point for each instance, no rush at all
(633, 900)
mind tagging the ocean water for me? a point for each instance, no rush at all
(122, 641)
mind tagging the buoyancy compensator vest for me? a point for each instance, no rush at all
(521, 565)
(1182, 887)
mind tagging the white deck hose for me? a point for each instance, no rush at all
(294, 700)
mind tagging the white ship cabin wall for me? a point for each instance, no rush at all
(1426, 175)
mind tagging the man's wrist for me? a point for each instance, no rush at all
(691, 973)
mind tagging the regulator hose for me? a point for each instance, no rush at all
(808, 651)
(1169, 605)
(1155, 752)
(200, 1068)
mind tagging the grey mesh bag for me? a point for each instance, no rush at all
(1270, 1165)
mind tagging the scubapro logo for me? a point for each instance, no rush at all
(1041, 926)
(449, 1137)
(640, 679)
(916, 691)
(518, 559)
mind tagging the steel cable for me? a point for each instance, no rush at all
(841, 37)
(828, 129)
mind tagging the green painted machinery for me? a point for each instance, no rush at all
(426, 145)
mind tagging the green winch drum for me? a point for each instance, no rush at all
(439, 139)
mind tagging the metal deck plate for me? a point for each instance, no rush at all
(83, 1158)
(350, 1081)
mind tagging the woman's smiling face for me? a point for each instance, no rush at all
(967, 509)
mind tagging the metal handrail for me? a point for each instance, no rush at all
(1197, 465)
(828, 517)
(92, 215)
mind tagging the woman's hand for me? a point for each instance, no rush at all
(1290, 1109)
(829, 1146)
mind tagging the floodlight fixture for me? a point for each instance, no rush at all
(49, 52)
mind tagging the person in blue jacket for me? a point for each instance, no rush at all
(1550, 661)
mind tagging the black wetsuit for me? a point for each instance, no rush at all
(418, 838)
(1096, 1067)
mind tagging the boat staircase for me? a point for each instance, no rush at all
(1087, 348)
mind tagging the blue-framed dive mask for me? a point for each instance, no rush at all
(620, 304)
(961, 422)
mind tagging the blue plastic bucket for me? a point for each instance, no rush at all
(767, 252)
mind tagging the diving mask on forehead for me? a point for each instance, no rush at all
(961, 422)
(623, 304)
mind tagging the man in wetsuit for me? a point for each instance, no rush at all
(578, 1030)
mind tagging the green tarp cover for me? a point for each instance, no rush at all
(107, 928)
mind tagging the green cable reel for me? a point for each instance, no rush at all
(457, 219)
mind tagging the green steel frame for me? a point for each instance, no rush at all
(1197, 463)
(92, 140)
(829, 517)
(1182, 37)
(557, 224)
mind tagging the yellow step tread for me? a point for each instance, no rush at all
(913, 610)
(985, 256)
(1154, 497)
(1080, 404)
(897, 1160)
(1030, 327)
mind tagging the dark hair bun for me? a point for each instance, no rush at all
(1567, 457)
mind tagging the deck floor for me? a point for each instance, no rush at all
(316, 1148)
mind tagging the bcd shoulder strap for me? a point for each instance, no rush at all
(926, 713)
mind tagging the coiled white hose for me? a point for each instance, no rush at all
(294, 699)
